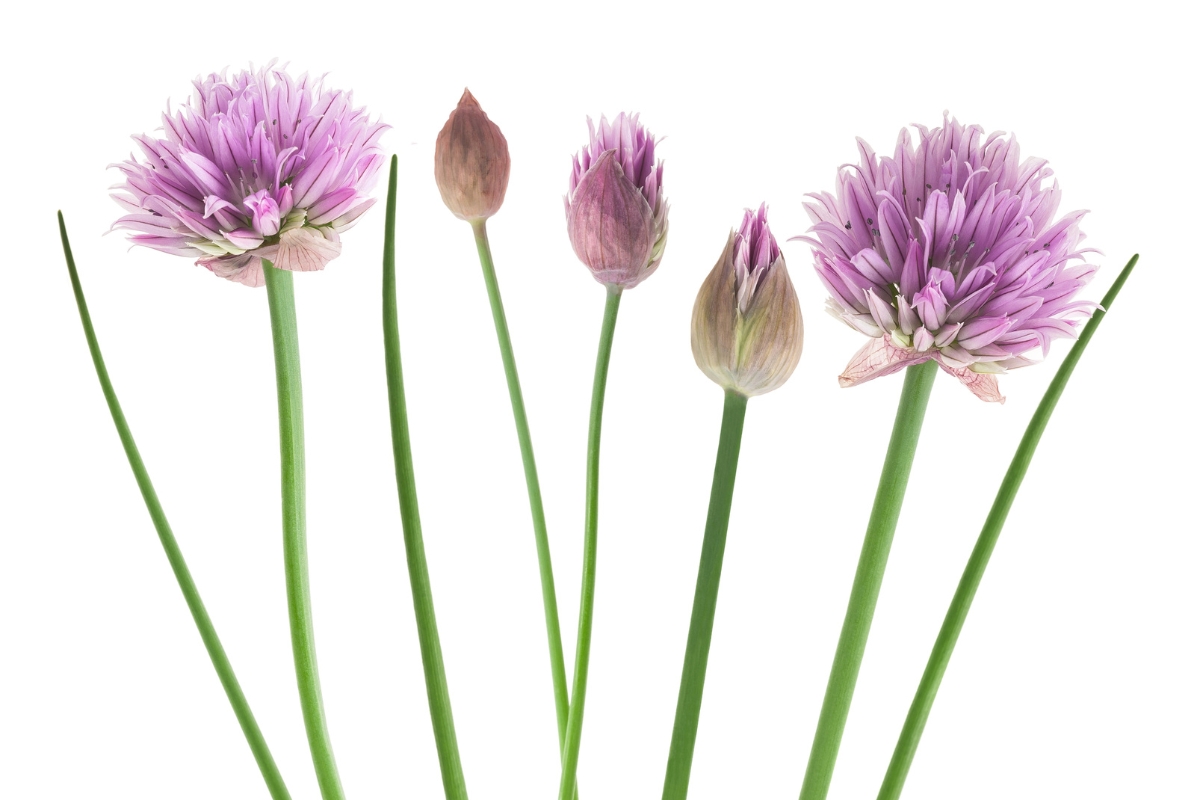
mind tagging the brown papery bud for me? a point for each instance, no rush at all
(470, 162)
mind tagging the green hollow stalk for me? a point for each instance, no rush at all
(282, 303)
(704, 606)
(956, 615)
(558, 670)
(191, 595)
(877, 544)
(410, 517)
(583, 644)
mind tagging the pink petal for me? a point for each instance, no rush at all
(332, 206)
(252, 274)
(244, 269)
(877, 358)
(881, 311)
(244, 238)
(314, 179)
(205, 173)
(982, 331)
(983, 386)
(307, 249)
(166, 244)
(347, 220)
(213, 202)
(881, 357)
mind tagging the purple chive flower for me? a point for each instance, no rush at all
(950, 251)
(257, 166)
(747, 332)
(616, 212)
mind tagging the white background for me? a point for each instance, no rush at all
(1075, 676)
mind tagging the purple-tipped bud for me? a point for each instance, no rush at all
(470, 162)
(616, 212)
(264, 211)
(747, 332)
(610, 225)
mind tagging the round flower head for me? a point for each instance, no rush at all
(257, 166)
(616, 212)
(747, 332)
(950, 251)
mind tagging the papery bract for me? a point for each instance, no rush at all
(470, 162)
(747, 331)
(616, 211)
(257, 166)
(950, 251)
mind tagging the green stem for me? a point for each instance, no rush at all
(282, 302)
(583, 644)
(889, 496)
(704, 606)
(191, 595)
(558, 670)
(410, 517)
(956, 615)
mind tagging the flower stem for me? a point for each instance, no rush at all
(889, 496)
(704, 606)
(191, 595)
(282, 302)
(410, 517)
(558, 670)
(583, 644)
(956, 615)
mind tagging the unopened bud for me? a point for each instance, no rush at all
(616, 212)
(610, 224)
(470, 162)
(747, 332)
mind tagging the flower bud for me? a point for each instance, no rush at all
(747, 332)
(470, 162)
(616, 212)
(610, 224)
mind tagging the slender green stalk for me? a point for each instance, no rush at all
(410, 517)
(956, 615)
(282, 302)
(704, 606)
(583, 644)
(558, 670)
(889, 496)
(191, 595)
